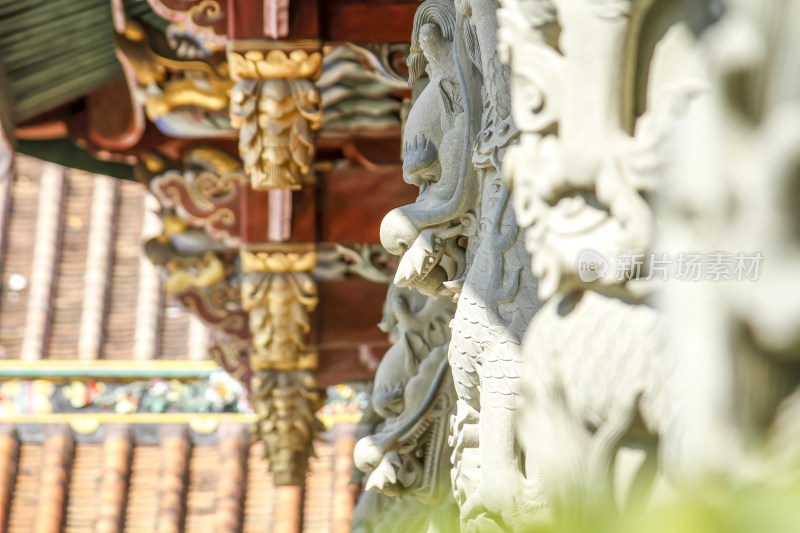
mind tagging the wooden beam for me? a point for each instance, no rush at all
(348, 363)
(353, 201)
(359, 325)
(349, 344)
(363, 21)
(359, 21)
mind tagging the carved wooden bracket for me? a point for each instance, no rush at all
(204, 20)
(279, 293)
(276, 106)
(218, 305)
(200, 208)
(207, 194)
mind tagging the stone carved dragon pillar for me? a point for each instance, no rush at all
(460, 240)
(279, 293)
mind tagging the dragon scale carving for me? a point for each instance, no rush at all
(570, 155)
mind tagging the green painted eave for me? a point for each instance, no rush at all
(63, 151)
(54, 51)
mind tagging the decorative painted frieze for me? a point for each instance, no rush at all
(204, 22)
(206, 193)
(218, 393)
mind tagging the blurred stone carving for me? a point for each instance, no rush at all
(679, 118)
(736, 344)
(406, 457)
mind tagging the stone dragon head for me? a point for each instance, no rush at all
(431, 233)
(413, 393)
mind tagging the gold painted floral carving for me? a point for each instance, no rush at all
(276, 106)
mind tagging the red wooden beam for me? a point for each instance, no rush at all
(358, 21)
(354, 200)
(361, 21)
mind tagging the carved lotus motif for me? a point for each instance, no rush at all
(274, 64)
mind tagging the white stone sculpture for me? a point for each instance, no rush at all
(460, 239)
(597, 86)
(733, 188)
(627, 130)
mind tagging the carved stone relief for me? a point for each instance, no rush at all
(733, 188)
(649, 130)
(406, 458)
(587, 162)
(460, 240)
